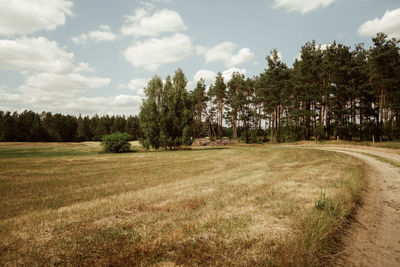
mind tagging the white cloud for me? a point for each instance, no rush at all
(126, 100)
(52, 80)
(298, 56)
(227, 74)
(57, 93)
(319, 46)
(207, 75)
(164, 1)
(7, 97)
(34, 54)
(114, 105)
(302, 6)
(86, 105)
(388, 24)
(104, 34)
(136, 85)
(29, 16)
(83, 67)
(323, 46)
(200, 50)
(60, 93)
(147, 5)
(225, 52)
(52, 84)
(152, 53)
(143, 24)
(280, 56)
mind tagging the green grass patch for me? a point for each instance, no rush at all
(7, 153)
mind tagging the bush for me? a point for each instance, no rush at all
(116, 142)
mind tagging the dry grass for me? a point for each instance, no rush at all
(386, 144)
(235, 206)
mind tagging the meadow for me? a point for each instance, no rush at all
(386, 144)
(71, 204)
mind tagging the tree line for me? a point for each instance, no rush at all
(333, 92)
(330, 93)
(29, 126)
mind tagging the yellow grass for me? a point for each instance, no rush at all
(385, 144)
(233, 206)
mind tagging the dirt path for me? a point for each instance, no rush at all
(374, 238)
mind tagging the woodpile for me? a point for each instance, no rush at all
(208, 142)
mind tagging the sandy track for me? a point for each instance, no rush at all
(374, 237)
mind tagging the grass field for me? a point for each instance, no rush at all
(386, 144)
(240, 205)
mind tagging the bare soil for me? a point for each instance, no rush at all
(374, 237)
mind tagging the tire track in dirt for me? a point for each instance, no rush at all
(374, 237)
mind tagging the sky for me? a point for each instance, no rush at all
(96, 56)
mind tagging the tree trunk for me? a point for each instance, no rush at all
(307, 120)
(220, 118)
(361, 125)
(315, 128)
(272, 124)
(265, 128)
(327, 118)
(321, 122)
(381, 104)
(211, 128)
(245, 131)
(385, 110)
(278, 124)
(235, 137)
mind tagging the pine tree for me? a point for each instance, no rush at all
(132, 127)
(219, 92)
(235, 86)
(273, 89)
(199, 99)
(385, 61)
(308, 79)
(363, 91)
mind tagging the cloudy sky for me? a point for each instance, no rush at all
(95, 56)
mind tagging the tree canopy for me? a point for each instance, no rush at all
(332, 92)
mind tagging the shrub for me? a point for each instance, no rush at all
(116, 142)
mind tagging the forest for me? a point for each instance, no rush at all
(29, 126)
(332, 92)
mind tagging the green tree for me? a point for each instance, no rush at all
(84, 132)
(235, 86)
(199, 99)
(363, 91)
(7, 128)
(118, 124)
(273, 89)
(308, 79)
(116, 142)
(166, 115)
(132, 127)
(342, 91)
(149, 115)
(218, 91)
(385, 61)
